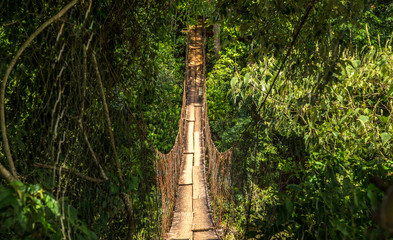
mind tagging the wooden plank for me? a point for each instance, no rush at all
(207, 235)
(186, 175)
(197, 146)
(183, 215)
(192, 216)
(189, 140)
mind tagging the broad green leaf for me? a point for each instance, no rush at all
(383, 119)
(246, 79)
(72, 215)
(234, 81)
(355, 64)
(363, 119)
(23, 221)
(8, 200)
(51, 204)
(385, 137)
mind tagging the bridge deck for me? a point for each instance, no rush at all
(192, 217)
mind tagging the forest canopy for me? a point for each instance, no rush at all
(301, 90)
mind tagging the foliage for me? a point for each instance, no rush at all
(29, 212)
(168, 91)
(301, 172)
(55, 110)
(316, 156)
(302, 166)
(221, 109)
(267, 29)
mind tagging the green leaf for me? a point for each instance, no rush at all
(342, 227)
(246, 79)
(289, 206)
(355, 64)
(134, 183)
(23, 221)
(6, 201)
(390, 90)
(34, 188)
(52, 205)
(383, 119)
(385, 137)
(234, 81)
(72, 215)
(260, 101)
(294, 187)
(372, 196)
(363, 119)
(114, 189)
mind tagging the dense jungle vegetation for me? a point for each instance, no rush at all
(303, 87)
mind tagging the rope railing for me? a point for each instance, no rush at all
(169, 165)
(218, 163)
(218, 169)
(168, 168)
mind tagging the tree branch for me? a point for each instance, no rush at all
(126, 199)
(80, 121)
(130, 212)
(6, 76)
(93, 153)
(69, 171)
(108, 119)
(7, 174)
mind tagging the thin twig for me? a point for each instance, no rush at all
(69, 171)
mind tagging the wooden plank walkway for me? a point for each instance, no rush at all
(192, 217)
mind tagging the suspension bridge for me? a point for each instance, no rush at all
(182, 173)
